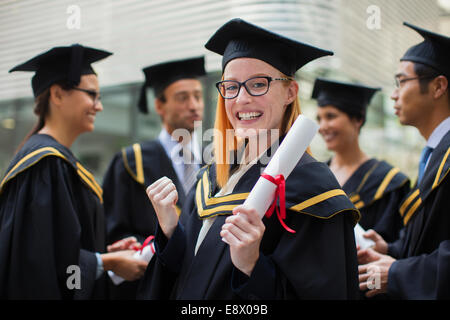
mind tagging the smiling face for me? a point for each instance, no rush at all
(337, 128)
(249, 114)
(78, 109)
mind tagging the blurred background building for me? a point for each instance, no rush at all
(367, 37)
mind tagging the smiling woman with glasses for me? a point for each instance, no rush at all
(51, 207)
(257, 86)
(218, 249)
(95, 95)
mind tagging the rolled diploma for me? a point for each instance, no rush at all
(146, 255)
(360, 240)
(284, 160)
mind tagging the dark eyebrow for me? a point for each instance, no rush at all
(400, 74)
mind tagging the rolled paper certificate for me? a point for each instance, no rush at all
(146, 254)
(360, 240)
(284, 160)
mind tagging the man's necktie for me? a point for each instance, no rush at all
(423, 161)
(190, 169)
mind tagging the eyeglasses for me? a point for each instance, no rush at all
(399, 82)
(95, 95)
(257, 86)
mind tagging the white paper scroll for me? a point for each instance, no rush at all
(360, 240)
(146, 255)
(284, 160)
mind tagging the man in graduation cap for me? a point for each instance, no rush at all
(374, 186)
(175, 154)
(218, 249)
(422, 100)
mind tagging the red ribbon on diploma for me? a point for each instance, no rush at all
(279, 194)
(147, 242)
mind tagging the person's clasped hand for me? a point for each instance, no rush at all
(243, 232)
(129, 243)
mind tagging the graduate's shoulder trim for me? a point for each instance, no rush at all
(443, 169)
(380, 180)
(33, 157)
(410, 205)
(313, 190)
(89, 179)
(326, 205)
(29, 160)
(210, 206)
(417, 196)
(133, 163)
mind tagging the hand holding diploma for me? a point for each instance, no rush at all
(243, 231)
(361, 241)
(144, 254)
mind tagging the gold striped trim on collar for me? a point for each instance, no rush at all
(11, 173)
(415, 196)
(139, 175)
(84, 174)
(89, 179)
(411, 211)
(358, 205)
(223, 205)
(387, 179)
(441, 166)
(366, 176)
(356, 200)
(214, 205)
(408, 201)
(355, 197)
(316, 199)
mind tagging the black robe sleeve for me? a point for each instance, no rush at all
(327, 260)
(120, 196)
(317, 262)
(422, 277)
(383, 216)
(394, 248)
(162, 271)
(40, 235)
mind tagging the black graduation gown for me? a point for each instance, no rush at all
(128, 210)
(425, 213)
(51, 217)
(317, 262)
(376, 189)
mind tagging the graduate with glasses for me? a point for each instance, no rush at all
(374, 186)
(417, 266)
(52, 226)
(218, 249)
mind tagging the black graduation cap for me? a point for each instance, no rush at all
(350, 98)
(434, 51)
(161, 75)
(61, 63)
(238, 38)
